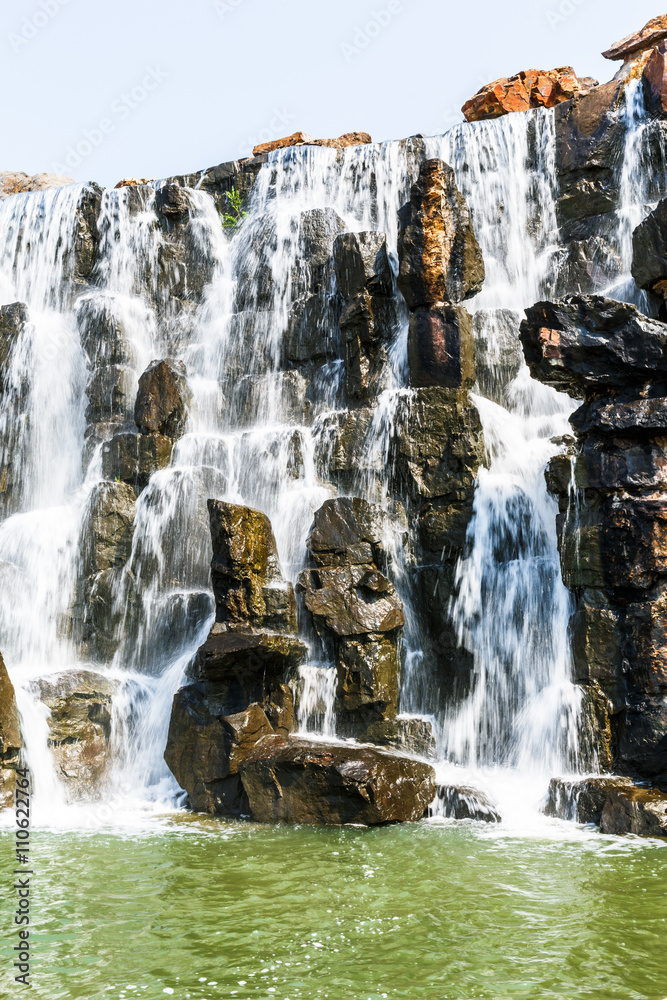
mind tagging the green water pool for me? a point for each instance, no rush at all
(199, 908)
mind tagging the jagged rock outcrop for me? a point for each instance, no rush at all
(365, 281)
(298, 781)
(355, 607)
(80, 704)
(10, 738)
(16, 182)
(612, 523)
(616, 805)
(533, 88)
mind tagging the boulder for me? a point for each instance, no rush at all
(10, 738)
(533, 88)
(80, 703)
(15, 182)
(351, 600)
(463, 802)
(652, 33)
(133, 457)
(298, 781)
(440, 258)
(586, 341)
(248, 584)
(616, 805)
(163, 399)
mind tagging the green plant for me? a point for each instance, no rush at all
(233, 218)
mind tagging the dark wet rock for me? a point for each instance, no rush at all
(349, 531)
(440, 259)
(582, 342)
(609, 416)
(441, 348)
(597, 647)
(298, 781)
(163, 399)
(368, 671)
(13, 320)
(82, 254)
(241, 660)
(463, 802)
(80, 703)
(133, 457)
(615, 804)
(409, 735)
(110, 391)
(102, 332)
(10, 738)
(368, 321)
(109, 527)
(204, 750)
(649, 252)
(590, 141)
(313, 331)
(248, 584)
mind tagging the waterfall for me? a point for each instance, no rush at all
(257, 435)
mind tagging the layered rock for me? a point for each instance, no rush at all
(616, 805)
(80, 704)
(296, 781)
(355, 608)
(613, 513)
(10, 738)
(533, 88)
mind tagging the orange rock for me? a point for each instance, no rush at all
(650, 35)
(132, 181)
(16, 182)
(655, 74)
(533, 88)
(303, 139)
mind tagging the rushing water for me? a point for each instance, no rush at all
(198, 908)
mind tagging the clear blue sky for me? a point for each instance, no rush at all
(148, 88)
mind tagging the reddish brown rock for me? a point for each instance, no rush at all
(303, 139)
(650, 35)
(440, 258)
(133, 182)
(441, 348)
(533, 88)
(298, 781)
(655, 74)
(15, 182)
(163, 399)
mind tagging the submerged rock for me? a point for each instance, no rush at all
(80, 704)
(533, 88)
(300, 781)
(10, 738)
(463, 802)
(616, 805)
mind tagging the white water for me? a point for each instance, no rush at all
(512, 609)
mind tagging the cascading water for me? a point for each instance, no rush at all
(256, 436)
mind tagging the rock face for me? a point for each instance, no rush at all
(649, 255)
(355, 607)
(15, 182)
(613, 537)
(80, 704)
(163, 399)
(10, 738)
(533, 88)
(297, 781)
(616, 805)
